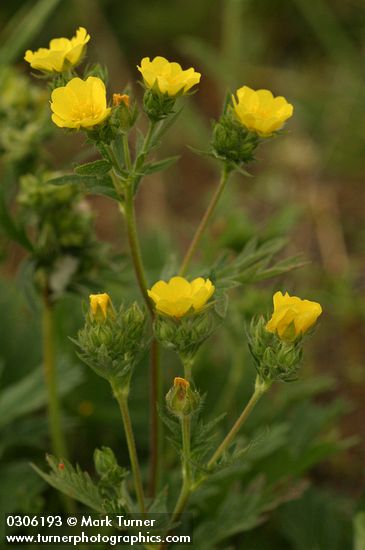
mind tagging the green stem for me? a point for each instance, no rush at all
(122, 399)
(186, 472)
(127, 154)
(260, 388)
(58, 441)
(188, 365)
(128, 208)
(205, 220)
(130, 217)
(188, 487)
(156, 439)
(186, 475)
(148, 138)
(54, 413)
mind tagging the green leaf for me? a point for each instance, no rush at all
(20, 490)
(281, 267)
(70, 179)
(203, 436)
(23, 27)
(221, 304)
(253, 264)
(160, 165)
(89, 184)
(29, 394)
(96, 168)
(73, 482)
(11, 229)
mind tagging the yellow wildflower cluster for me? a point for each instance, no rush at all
(177, 297)
(292, 316)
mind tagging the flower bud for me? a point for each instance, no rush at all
(124, 113)
(275, 359)
(101, 307)
(181, 399)
(156, 105)
(111, 342)
(104, 460)
(185, 335)
(232, 142)
(118, 99)
(108, 468)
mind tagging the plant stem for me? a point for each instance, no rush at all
(188, 487)
(186, 473)
(188, 365)
(155, 426)
(260, 388)
(128, 208)
(134, 246)
(58, 441)
(122, 399)
(148, 138)
(54, 413)
(127, 154)
(186, 469)
(205, 220)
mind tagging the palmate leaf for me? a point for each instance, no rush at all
(96, 168)
(159, 165)
(240, 511)
(91, 184)
(29, 394)
(73, 482)
(254, 263)
(203, 437)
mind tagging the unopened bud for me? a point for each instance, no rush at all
(120, 98)
(181, 399)
(101, 307)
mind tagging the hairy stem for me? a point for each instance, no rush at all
(122, 399)
(155, 426)
(54, 412)
(134, 246)
(204, 222)
(58, 441)
(260, 388)
(186, 487)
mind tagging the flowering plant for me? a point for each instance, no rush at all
(180, 311)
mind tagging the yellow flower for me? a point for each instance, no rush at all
(61, 55)
(170, 78)
(260, 111)
(292, 316)
(178, 296)
(80, 104)
(100, 306)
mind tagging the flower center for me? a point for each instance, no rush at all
(80, 112)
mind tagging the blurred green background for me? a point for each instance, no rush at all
(308, 183)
